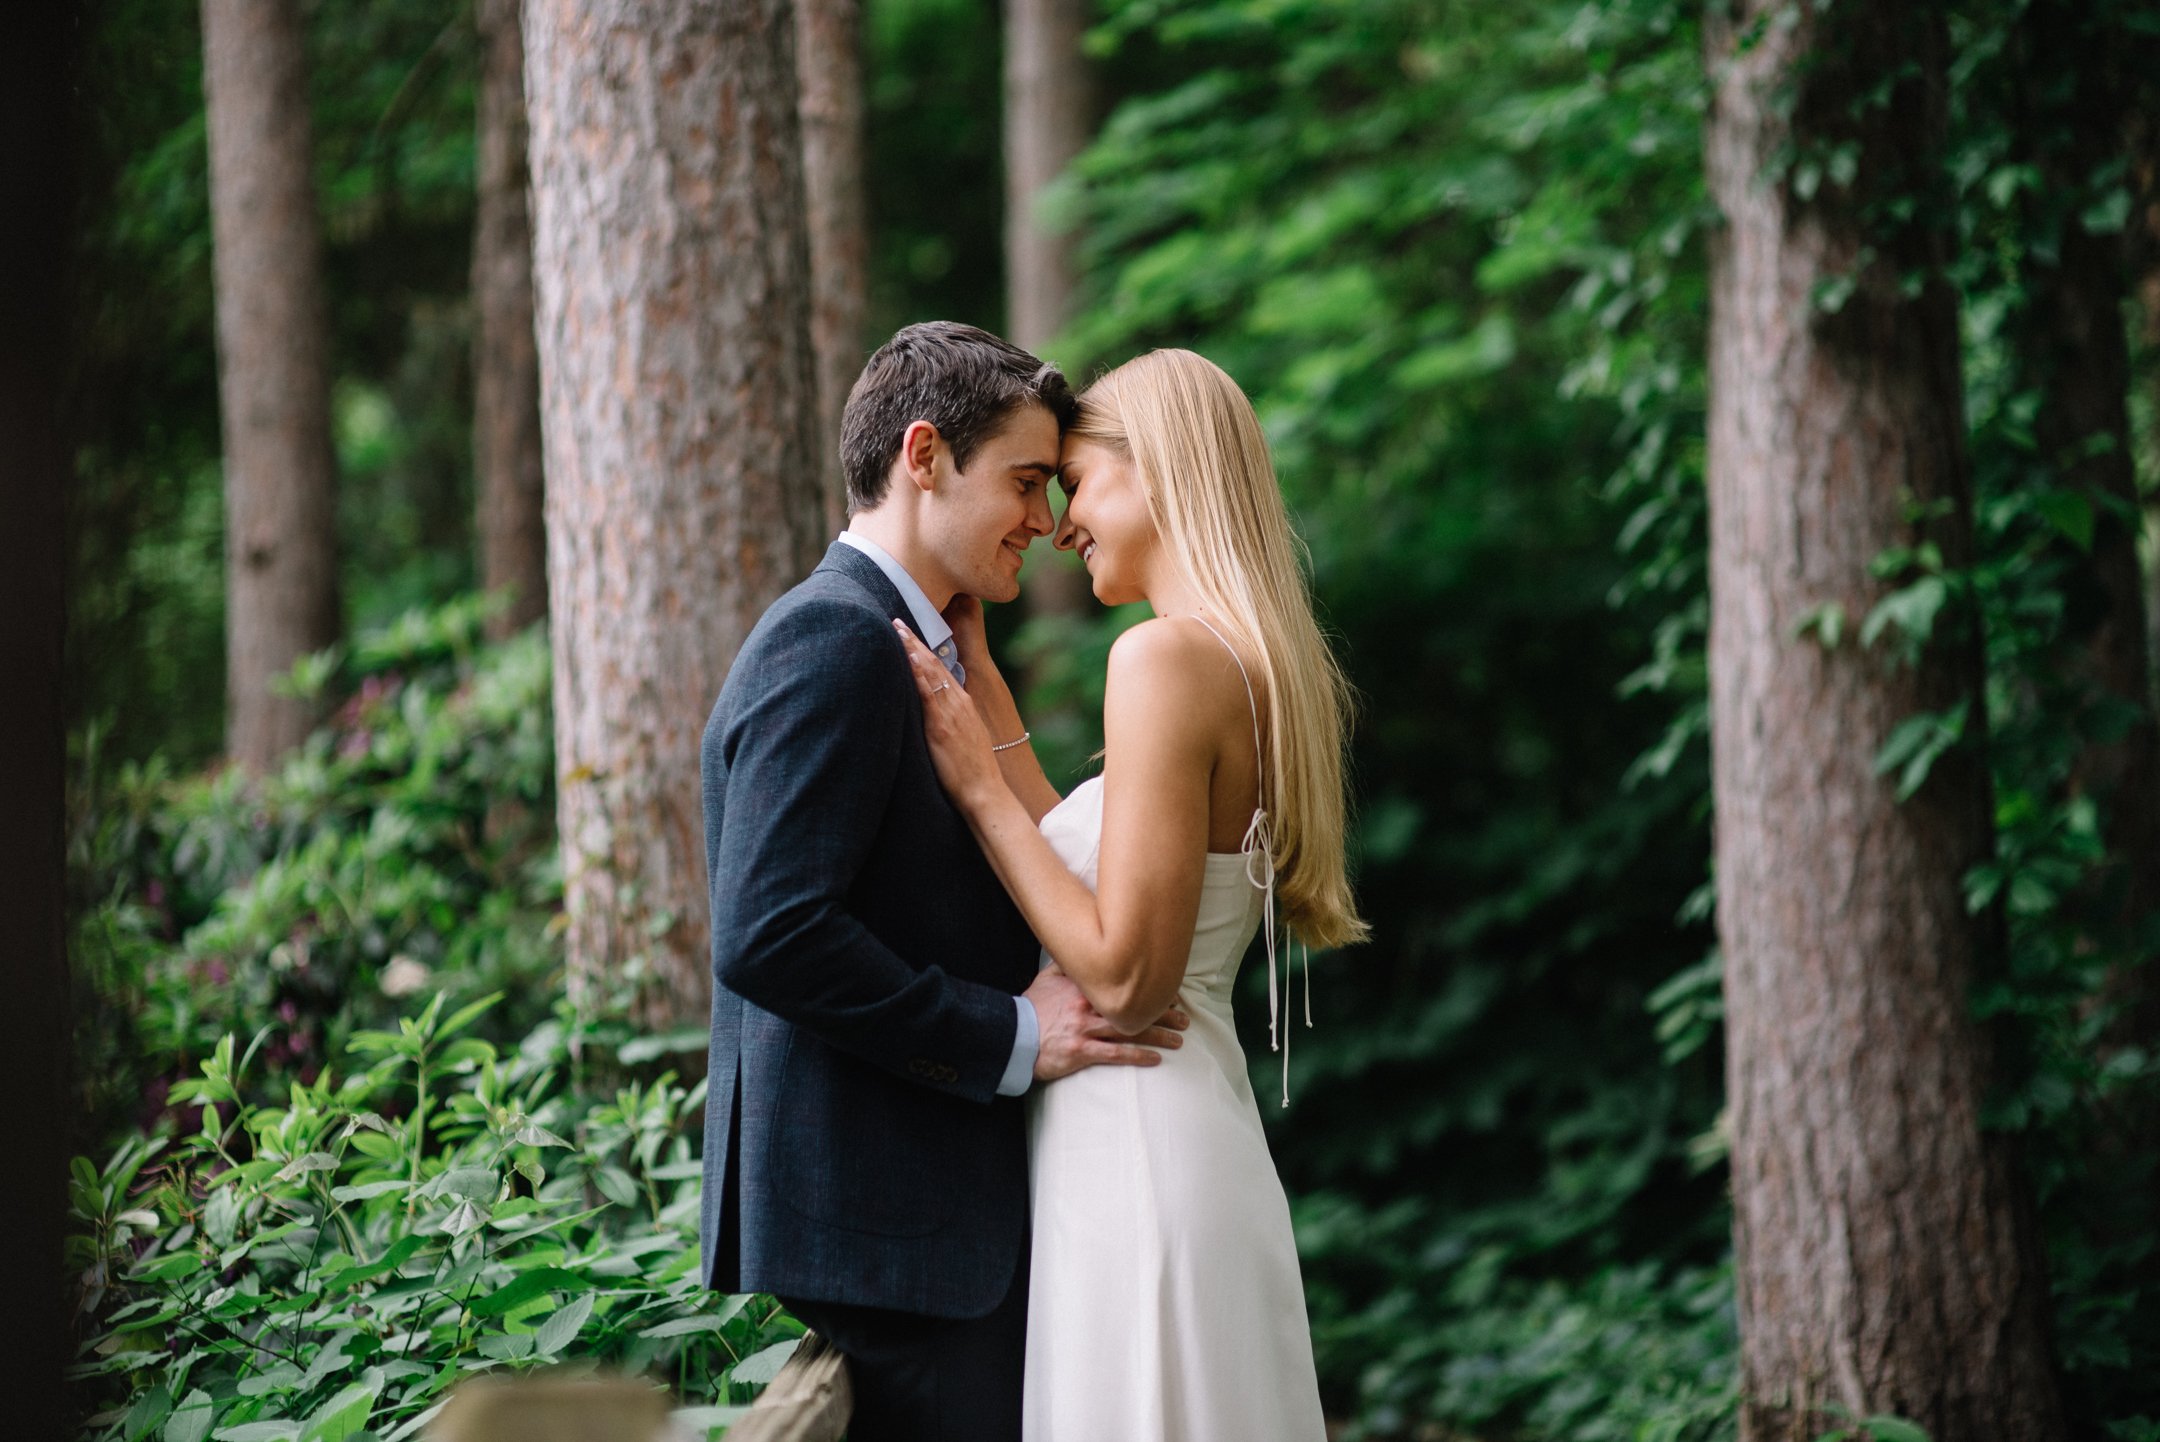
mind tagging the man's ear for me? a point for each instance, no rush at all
(919, 446)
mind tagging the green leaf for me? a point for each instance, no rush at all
(2105, 216)
(474, 1184)
(2069, 513)
(190, 1421)
(560, 1330)
(534, 1135)
(1895, 1429)
(344, 1414)
(366, 1190)
(527, 1286)
(465, 1015)
(616, 1185)
(1912, 609)
(150, 1409)
(312, 1162)
(761, 1367)
(647, 1048)
(222, 1217)
(279, 1431)
(413, 1424)
(684, 1326)
(1827, 621)
(401, 1251)
(284, 1377)
(1916, 743)
(701, 1421)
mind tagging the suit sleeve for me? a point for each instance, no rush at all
(810, 751)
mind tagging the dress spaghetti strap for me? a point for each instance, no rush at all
(1258, 849)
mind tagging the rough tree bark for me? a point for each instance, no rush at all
(1885, 1258)
(281, 577)
(1047, 100)
(679, 405)
(511, 520)
(829, 73)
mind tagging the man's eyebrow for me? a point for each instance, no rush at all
(1047, 468)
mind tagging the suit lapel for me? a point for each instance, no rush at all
(864, 572)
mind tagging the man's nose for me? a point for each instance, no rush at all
(1039, 519)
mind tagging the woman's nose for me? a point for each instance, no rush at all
(1063, 540)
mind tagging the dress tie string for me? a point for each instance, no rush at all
(1259, 850)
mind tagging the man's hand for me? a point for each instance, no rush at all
(1075, 1035)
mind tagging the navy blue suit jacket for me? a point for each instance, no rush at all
(865, 958)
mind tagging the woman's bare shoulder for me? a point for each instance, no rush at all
(1174, 664)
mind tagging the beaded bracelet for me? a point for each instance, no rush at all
(1010, 744)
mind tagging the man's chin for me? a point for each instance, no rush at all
(999, 589)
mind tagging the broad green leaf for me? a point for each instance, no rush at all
(190, 1421)
(153, 1407)
(366, 1190)
(465, 1014)
(560, 1330)
(343, 1415)
(278, 1431)
(525, 1287)
(761, 1367)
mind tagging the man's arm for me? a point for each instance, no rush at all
(811, 755)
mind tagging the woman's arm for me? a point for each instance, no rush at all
(986, 686)
(1125, 944)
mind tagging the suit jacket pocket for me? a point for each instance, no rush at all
(856, 1148)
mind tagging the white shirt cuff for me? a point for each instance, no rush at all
(1027, 1040)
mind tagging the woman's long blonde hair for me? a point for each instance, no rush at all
(1211, 490)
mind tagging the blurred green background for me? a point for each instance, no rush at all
(1456, 255)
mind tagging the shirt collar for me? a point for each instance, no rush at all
(928, 622)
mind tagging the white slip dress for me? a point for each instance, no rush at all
(1165, 1303)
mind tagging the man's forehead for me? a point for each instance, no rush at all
(1027, 437)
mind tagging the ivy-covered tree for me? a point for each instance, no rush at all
(1883, 1248)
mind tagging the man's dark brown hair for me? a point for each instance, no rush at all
(962, 380)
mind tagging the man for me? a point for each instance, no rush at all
(877, 1013)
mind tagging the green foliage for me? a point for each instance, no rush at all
(339, 1262)
(392, 89)
(406, 846)
(1454, 254)
(1457, 256)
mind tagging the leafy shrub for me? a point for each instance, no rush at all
(405, 847)
(329, 1268)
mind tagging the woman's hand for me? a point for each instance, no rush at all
(959, 746)
(970, 637)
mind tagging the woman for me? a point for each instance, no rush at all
(1165, 1300)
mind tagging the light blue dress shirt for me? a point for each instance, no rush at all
(938, 636)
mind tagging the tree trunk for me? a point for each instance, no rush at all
(679, 404)
(281, 577)
(1884, 1253)
(506, 363)
(1047, 101)
(829, 72)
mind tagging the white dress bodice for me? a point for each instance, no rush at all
(1164, 1302)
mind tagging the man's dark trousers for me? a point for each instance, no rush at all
(858, 1162)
